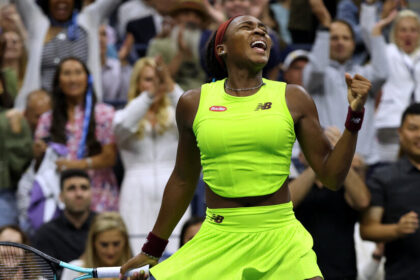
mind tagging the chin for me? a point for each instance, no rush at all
(74, 94)
(259, 59)
(261, 62)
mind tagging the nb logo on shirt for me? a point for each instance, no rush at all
(265, 106)
(217, 218)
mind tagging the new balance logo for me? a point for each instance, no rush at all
(217, 219)
(265, 106)
(356, 120)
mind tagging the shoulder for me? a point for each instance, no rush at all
(188, 105)
(296, 91)
(383, 175)
(190, 99)
(48, 229)
(299, 101)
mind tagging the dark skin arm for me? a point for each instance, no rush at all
(181, 184)
(330, 164)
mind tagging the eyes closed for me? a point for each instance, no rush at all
(251, 26)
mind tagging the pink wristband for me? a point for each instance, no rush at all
(354, 120)
(154, 246)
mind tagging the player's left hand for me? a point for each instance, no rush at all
(357, 91)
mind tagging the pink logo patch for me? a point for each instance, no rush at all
(218, 108)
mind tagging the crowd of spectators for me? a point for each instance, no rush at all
(88, 93)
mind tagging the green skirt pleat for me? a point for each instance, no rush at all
(249, 243)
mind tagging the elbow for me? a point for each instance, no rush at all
(332, 183)
(121, 132)
(365, 233)
(108, 157)
(363, 203)
(382, 75)
(112, 158)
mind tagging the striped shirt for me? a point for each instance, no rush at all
(58, 48)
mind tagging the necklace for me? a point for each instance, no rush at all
(244, 89)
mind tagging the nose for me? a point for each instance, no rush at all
(110, 250)
(79, 192)
(259, 31)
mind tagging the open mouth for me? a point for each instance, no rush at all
(259, 45)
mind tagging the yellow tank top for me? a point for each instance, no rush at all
(245, 142)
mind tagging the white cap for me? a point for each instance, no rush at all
(292, 56)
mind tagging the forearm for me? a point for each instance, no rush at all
(22, 32)
(356, 190)
(105, 159)
(175, 64)
(101, 9)
(126, 46)
(379, 232)
(314, 71)
(338, 161)
(175, 94)
(378, 68)
(320, 11)
(216, 14)
(301, 186)
(368, 16)
(176, 198)
(126, 121)
(27, 10)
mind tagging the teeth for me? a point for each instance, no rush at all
(259, 42)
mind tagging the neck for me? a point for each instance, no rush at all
(11, 63)
(286, 4)
(243, 79)
(415, 161)
(77, 219)
(73, 102)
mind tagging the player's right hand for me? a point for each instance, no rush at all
(408, 223)
(135, 262)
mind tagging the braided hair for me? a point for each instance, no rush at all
(213, 67)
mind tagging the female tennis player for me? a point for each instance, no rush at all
(243, 127)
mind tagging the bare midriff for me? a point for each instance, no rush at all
(282, 195)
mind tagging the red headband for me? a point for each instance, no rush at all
(220, 33)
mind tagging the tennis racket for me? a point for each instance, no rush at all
(22, 262)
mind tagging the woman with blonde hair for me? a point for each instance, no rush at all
(107, 244)
(147, 138)
(14, 60)
(403, 84)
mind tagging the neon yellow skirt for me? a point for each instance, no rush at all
(249, 243)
